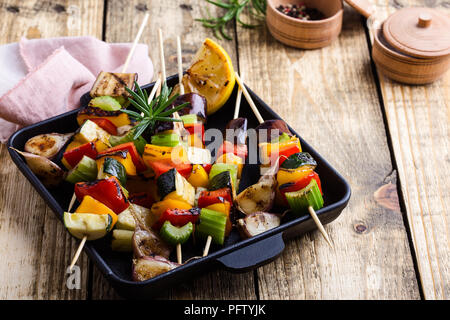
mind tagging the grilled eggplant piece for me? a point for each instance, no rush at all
(197, 105)
(260, 196)
(236, 131)
(113, 84)
(256, 223)
(47, 145)
(274, 128)
(149, 267)
(47, 171)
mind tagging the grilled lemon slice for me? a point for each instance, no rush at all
(211, 75)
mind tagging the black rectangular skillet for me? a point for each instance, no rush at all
(236, 255)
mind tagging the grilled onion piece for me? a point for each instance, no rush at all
(47, 171)
(149, 267)
(256, 223)
(47, 145)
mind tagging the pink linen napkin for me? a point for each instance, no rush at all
(58, 72)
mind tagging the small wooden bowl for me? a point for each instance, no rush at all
(305, 34)
(404, 68)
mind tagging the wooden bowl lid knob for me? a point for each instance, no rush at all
(424, 20)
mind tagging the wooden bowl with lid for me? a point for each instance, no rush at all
(305, 34)
(412, 46)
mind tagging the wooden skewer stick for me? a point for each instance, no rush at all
(124, 69)
(180, 65)
(237, 107)
(156, 88)
(261, 120)
(136, 40)
(249, 99)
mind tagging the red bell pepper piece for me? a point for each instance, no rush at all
(207, 167)
(208, 198)
(162, 166)
(298, 185)
(227, 147)
(107, 191)
(178, 217)
(135, 156)
(74, 155)
(196, 128)
(142, 199)
(106, 125)
(284, 153)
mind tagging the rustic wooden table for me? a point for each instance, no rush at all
(391, 142)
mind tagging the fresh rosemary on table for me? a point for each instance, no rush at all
(234, 8)
(153, 111)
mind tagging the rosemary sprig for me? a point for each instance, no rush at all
(234, 8)
(153, 111)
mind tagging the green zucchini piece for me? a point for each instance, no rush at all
(221, 180)
(106, 103)
(112, 167)
(166, 139)
(171, 181)
(174, 235)
(218, 168)
(166, 182)
(298, 160)
(212, 223)
(85, 170)
(300, 200)
(189, 118)
(139, 143)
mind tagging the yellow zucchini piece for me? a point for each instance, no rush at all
(156, 153)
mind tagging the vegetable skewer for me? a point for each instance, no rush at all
(124, 68)
(311, 210)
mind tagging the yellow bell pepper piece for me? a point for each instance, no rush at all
(127, 162)
(292, 175)
(119, 119)
(199, 177)
(269, 150)
(90, 205)
(158, 208)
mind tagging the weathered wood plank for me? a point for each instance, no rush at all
(418, 120)
(175, 18)
(36, 248)
(330, 98)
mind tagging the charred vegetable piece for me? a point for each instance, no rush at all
(236, 131)
(122, 240)
(299, 201)
(196, 106)
(113, 84)
(47, 145)
(149, 267)
(166, 139)
(156, 153)
(107, 191)
(208, 198)
(285, 176)
(172, 185)
(106, 103)
(146, 242)
(272, 129)
(118, 118)
(218, 169)
(85, 170)
(176, 235)
(178, 217)
(130, 147)
(73, 156)
(260, 196)
(47, 171)
(121, 156)
(256, 223)
(299, 159)
(90, 205)
(112, 167)
(93, 226)
(212, 223)
(139, 143)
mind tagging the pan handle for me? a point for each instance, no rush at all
(254, 255)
